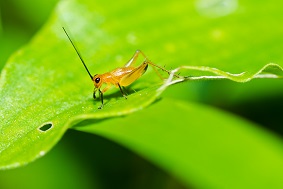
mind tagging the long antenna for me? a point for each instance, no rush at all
(78, 54)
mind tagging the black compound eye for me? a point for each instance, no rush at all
(97, 80)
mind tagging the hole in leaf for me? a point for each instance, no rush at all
(45, 127)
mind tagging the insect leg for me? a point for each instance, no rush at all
(156, 71)
(94, 91)
(101, 98)
(135, 57)
(122, 91)
(154, 66)
(125, 90)
(101, 94)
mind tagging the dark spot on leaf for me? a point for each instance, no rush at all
(45, 127)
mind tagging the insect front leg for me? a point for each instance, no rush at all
(94, 91)
(101, 95)
(101, 98)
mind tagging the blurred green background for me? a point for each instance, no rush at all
(259, 101)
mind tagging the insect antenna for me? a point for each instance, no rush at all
(78, 54)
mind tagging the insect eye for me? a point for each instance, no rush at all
(97, 80)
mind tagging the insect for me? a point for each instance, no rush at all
(119, 77)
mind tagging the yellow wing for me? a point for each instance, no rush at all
(133, 75)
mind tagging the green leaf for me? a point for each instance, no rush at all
(268, 71)
(45, 89)
(203, 146)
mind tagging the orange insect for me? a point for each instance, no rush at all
(119, 77)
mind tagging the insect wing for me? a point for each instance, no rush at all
(134, 75)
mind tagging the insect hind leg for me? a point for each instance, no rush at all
(133, 60)
(154, 66)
